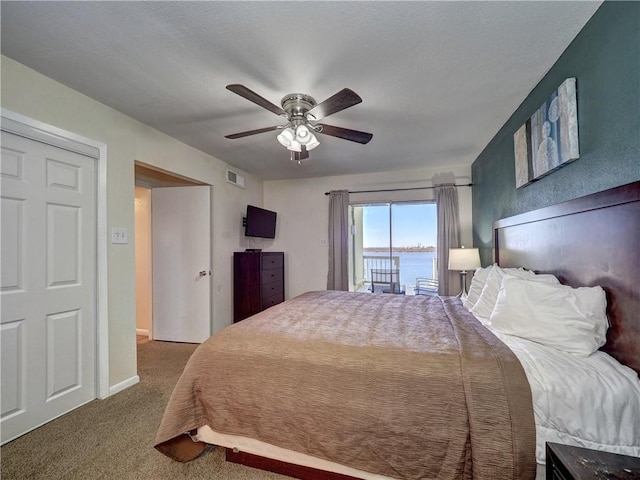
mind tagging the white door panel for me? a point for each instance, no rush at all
(48, 289)
(181, 226)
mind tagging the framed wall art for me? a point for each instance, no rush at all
(549, 139)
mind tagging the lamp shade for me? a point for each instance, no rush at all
(303, 135)
(313, 142)
(464, 258)
(295, 146)
(286, 137)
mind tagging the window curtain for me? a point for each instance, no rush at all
(338, 277)
(448, 237)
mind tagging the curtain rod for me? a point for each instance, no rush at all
(403, 189)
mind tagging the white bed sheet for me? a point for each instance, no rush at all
(591, 402)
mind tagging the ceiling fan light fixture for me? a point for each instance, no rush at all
(286, 137)
(313, 142)
(306, 137)
(294, 139)
(302, 133)
(295, 146)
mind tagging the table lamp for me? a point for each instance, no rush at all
(464, 259)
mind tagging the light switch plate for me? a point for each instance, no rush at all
(119, 235)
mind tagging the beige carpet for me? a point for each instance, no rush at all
(113, 438)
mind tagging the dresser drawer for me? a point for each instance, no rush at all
(272, 260)
(272, 275)
(273, 300)
(270, 289)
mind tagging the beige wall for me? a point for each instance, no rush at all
(302, 209)
(28, 93)
(144, 299)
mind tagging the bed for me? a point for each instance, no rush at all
(414, 387)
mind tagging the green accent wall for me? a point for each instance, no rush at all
(605, 60)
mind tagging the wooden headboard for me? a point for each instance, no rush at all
(592, 240)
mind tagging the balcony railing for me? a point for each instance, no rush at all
(379, 263)
(409, 277)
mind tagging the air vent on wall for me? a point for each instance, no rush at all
(233, 177)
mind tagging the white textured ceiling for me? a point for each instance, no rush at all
(437, 79)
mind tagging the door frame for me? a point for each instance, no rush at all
(151, 177)
(27, 127)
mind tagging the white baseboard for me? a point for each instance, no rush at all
(143, 332)
(118, 387)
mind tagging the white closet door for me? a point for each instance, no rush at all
(48, 288)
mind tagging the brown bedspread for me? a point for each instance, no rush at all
(411, 387)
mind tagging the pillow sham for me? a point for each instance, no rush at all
(570, 319)
(475, 288)
(487, 299)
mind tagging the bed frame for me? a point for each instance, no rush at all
(592, 240)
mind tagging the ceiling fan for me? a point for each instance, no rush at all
(302, 114)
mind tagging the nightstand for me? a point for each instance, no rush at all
(565, 462)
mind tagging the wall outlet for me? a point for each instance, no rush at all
(324, 242)
(119, 235)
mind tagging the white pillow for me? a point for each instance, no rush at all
(570, 319)
(487, 299)
(477, 283)
(544, 278)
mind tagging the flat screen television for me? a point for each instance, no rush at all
(260, 223)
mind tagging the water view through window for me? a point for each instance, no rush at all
(393, 247)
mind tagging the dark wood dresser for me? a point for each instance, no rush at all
(565, 462)
(258, 282)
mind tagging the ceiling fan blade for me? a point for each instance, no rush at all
(252, 132)
(345, 133)
(345, 98)
(255, 98)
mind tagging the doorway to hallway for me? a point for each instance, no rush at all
(173, 297)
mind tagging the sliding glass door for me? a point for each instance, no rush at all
(393, 248)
